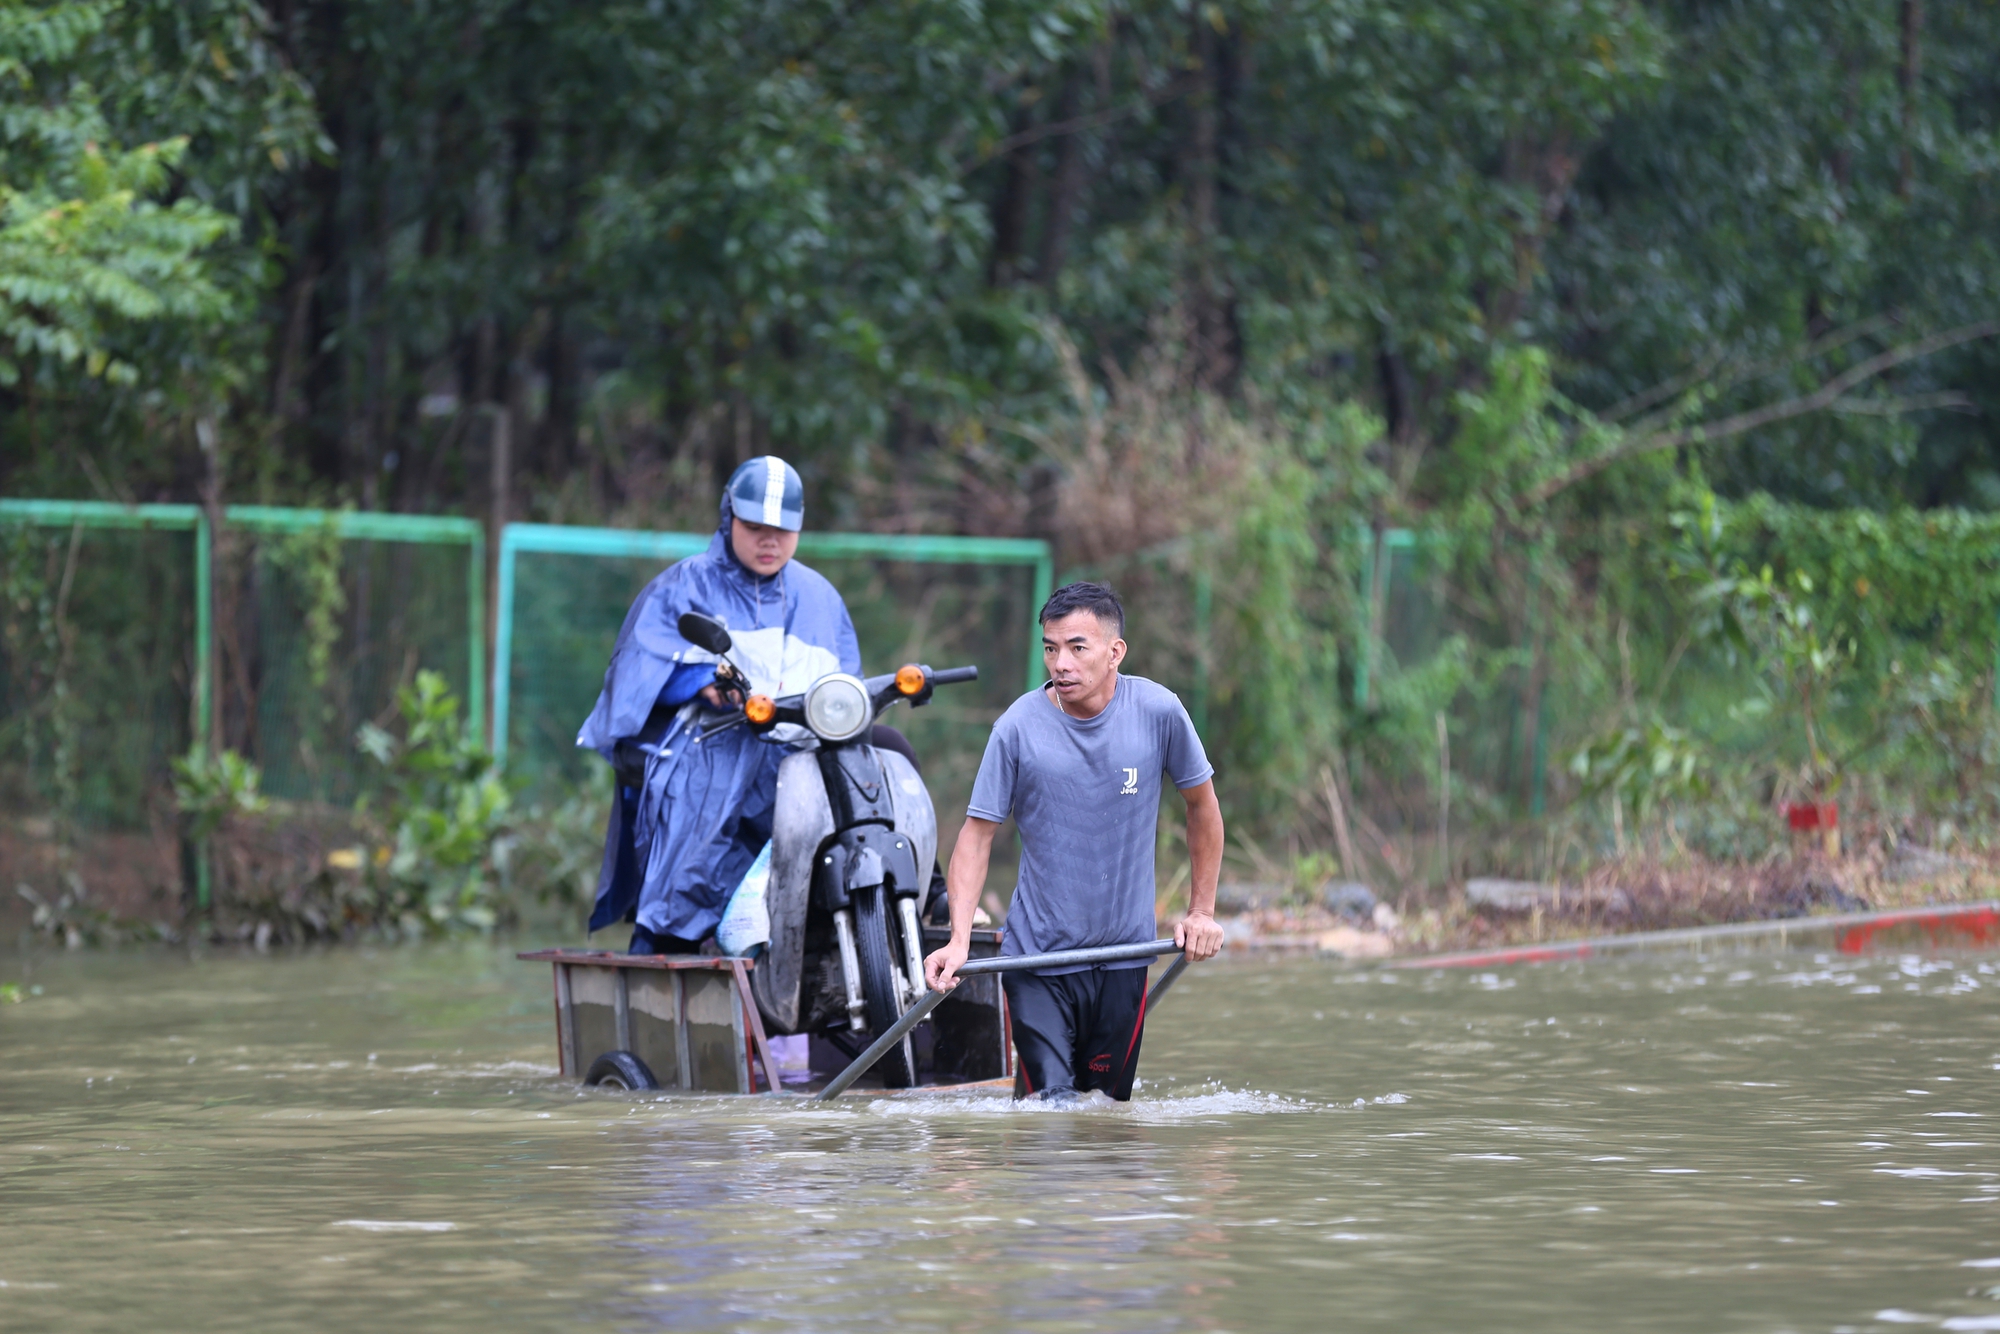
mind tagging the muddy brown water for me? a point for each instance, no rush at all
(378, 1140)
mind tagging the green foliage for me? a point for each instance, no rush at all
(648, 229)
(1888, 579)
(1282, 613)
(35, 578)
(555, 848)
(95, 628)
(1774, 626)
(1947, 729)
(838, 227)
(1485, 270)
(312, 558)
(1396, 736)
(140, 144)
(1642, 767)
(1868, 636)
(442, 807)
(1403, 166)
(1783, 184)
(211, 787)
(85, 244)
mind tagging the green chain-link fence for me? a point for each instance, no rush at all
(1498, 725)
(948, 601)
(100, 677)
(130, 635)
(321, 616)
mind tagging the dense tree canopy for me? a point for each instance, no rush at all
(1210, 294)
(84, 243)
(663, 234)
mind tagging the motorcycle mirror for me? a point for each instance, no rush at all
(704, 632)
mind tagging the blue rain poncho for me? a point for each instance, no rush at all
(688, 835)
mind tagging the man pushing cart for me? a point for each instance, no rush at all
(1077, 763)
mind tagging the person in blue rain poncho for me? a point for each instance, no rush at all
(692, 812)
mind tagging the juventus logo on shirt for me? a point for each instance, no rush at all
(1131, 788)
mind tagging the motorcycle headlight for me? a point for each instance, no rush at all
(837, 708)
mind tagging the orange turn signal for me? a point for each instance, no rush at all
(760, 709)
(910, 679)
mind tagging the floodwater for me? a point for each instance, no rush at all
(377, 1140)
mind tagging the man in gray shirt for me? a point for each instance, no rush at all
(1078, 765)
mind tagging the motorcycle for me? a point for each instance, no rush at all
(853, 841)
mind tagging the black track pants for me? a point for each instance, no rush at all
(1077, 1031)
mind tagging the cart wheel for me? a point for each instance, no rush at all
(620, 1070)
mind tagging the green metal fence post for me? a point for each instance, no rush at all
(1362, 668)
(503, 641)
(204, 635)
(475, 638)
(1377, 564)
(1045, 584)
(204, 673)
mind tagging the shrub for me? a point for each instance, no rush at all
(441, 811)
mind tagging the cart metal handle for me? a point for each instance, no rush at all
(979, 967)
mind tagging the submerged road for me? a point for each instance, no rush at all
(376, 1139)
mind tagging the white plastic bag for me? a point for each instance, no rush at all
(746, 921)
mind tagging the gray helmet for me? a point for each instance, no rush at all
(767, 490)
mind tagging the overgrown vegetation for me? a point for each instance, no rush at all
(441, 807)
(423, 853)
(1532, 435)
(312, 560)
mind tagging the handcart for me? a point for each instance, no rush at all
(690, 1023)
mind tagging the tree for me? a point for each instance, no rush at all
(86, 245)
(136, 277)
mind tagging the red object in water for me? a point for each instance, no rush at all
(1813, 815)
(1977, 924)
(1943, 926)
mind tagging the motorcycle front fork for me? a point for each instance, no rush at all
(850, 970)
(913, 946)
(910, 986)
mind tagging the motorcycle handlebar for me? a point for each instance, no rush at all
(953, 675)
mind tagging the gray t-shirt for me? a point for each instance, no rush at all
(1085, 793)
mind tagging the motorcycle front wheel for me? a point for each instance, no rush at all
(872, 928)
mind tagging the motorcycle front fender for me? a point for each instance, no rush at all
(802, 821)
(914, 813)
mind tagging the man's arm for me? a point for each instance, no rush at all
(963, 881)
(1198, 932)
